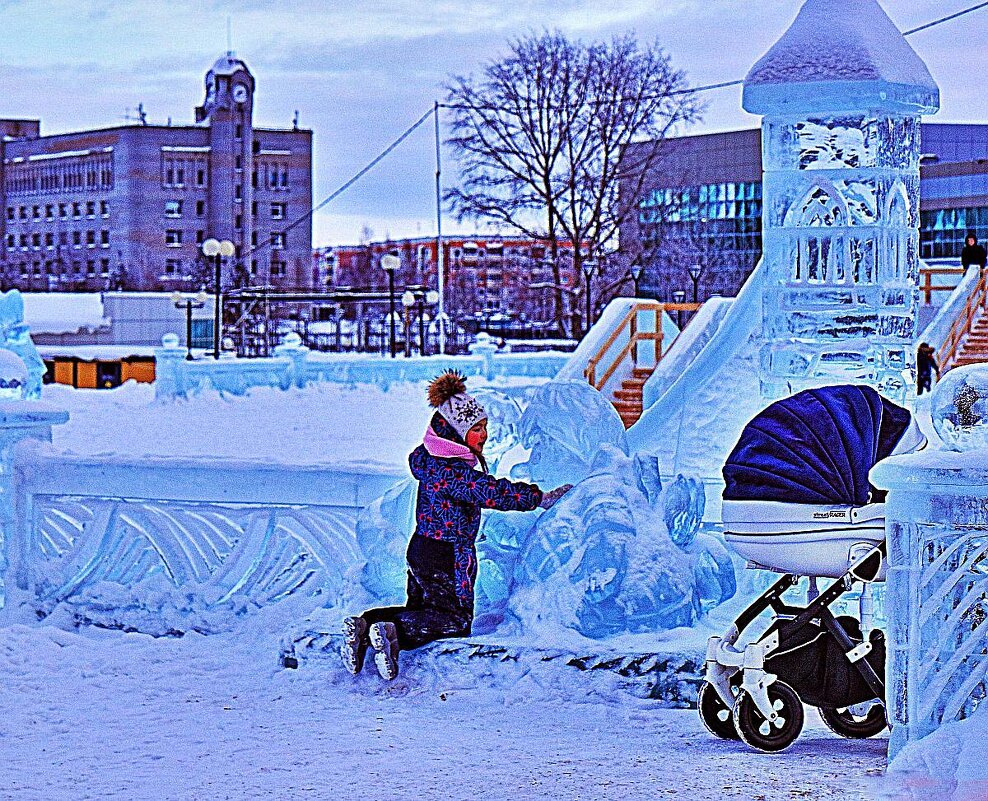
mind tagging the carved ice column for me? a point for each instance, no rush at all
(19, 420)
(937, 587)
(842, 96)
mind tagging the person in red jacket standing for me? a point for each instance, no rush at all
(454, 487)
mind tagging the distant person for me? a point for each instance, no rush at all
(973, 253)
(926, 365)
(454, 487)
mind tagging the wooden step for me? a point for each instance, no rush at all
(642, 372)
(628, 395)
(633, 382)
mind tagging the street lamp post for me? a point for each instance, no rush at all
(407, 302)
(636, 276)
(189, 304)
(431, 298)
(679, 296)
(588, 268)
(216, 250)
(390, 263)
(695, 271)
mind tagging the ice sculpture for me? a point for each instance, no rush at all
(842, 95)
(960, 408)
(602, 561)
(565, 425)
(15, 337)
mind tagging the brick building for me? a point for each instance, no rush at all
(482, 273)
(129, 206)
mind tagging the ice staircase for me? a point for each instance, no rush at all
(967, 341)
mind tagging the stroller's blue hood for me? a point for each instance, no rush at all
(815, 447)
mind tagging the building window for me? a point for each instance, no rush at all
(238, 162)
(200, 177)
(77, 238)
(253, 179)
(36, 212)
(63, 237)
(200, 237)
(49, 240)
(238, 131)
(253, 239)
(173, 238)
(91, 208)
(11, 241)
(63, 211)
(50, 212)
(36, 240)
(91, 238)
(253, 208)
(284, 179)
(238, 222)
(23, 212)
(179, 176)
(10, 213)
(104, 208)
(238, 192)
(104, 265)
(173, 208)
(200, 208)
(278, 211)
(279, 267)
(76, 210)
(173, 266)
(104, 238)
(277, 240)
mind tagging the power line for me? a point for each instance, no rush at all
(356, 177)
(947, 18)
(434, 110)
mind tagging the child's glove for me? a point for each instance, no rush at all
(549, 498)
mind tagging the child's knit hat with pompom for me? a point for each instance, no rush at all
(448, 395)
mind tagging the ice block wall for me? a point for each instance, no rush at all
(842, 96)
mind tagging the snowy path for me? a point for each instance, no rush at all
(110, 716)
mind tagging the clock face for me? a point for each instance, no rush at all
(239, 93)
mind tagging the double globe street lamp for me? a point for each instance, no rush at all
(417, 299)
(189, 303)
(217, 249)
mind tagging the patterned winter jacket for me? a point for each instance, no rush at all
(451, 496)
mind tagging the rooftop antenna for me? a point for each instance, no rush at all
(295, 120)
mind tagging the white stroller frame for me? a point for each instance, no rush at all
(841, 542)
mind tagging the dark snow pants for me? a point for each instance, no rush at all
(432, 611)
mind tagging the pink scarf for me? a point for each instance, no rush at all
(447, 449)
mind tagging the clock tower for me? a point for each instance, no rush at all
(228, 113)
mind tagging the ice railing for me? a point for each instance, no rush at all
(294, 365)
(172, 545)
(936, 590)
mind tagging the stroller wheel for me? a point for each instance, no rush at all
(763, 734)
(854, 722)
(715, 714)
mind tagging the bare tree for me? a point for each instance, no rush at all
(540, 137)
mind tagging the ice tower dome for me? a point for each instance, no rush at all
(841, 55)
(842, 95)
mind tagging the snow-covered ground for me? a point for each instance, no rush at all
(105, 715)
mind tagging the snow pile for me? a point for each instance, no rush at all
(63, 312)
(948, 765)
(841, 40)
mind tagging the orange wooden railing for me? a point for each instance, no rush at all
(928, 287)
(635, 336)
(963, 322)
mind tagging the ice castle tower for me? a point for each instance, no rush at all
(842, 95)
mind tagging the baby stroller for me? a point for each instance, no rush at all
(798, 501)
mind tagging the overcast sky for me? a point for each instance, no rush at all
(361, 71)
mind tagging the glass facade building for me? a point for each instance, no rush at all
(702, 204)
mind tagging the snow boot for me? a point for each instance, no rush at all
(384, 640)
(354, 644)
